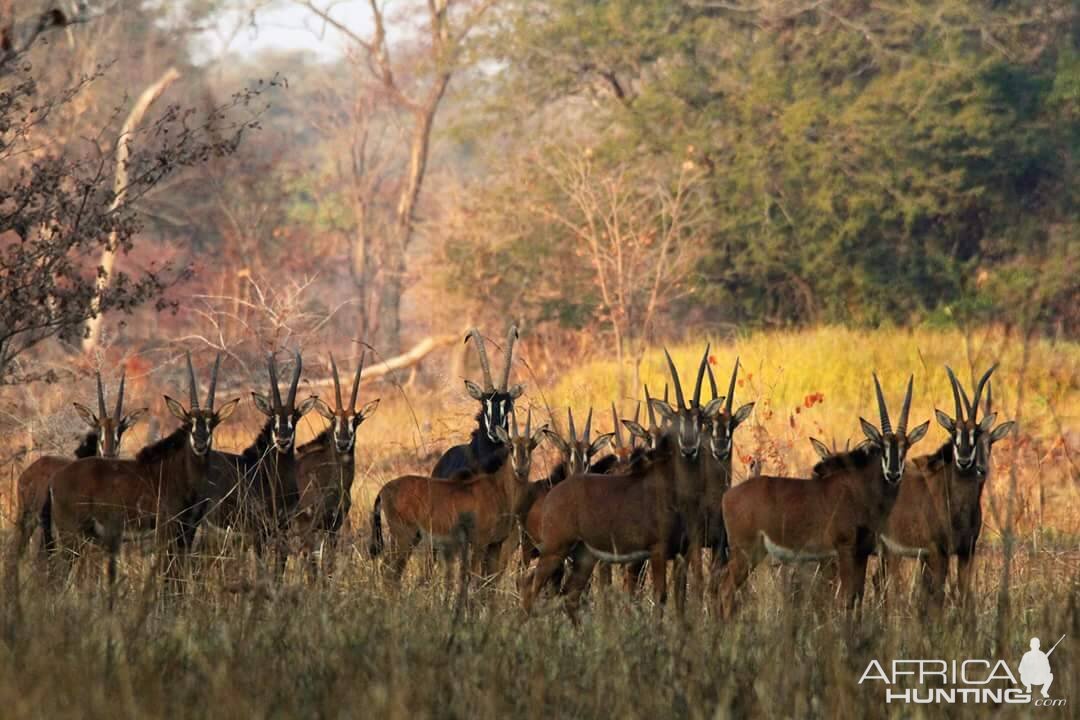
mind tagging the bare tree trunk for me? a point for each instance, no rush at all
(120, 184)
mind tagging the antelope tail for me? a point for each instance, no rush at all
(47, 540)
(376, 547)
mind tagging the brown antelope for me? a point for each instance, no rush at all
(838, 513)
(484, 452)
(103, 440)
(577, 454)
(939, 511)
(326, 468)
(166, 487)
(649, 512)
(437, 510)
(259, 489)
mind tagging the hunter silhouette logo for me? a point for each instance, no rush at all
(1035, 667)
(971, 681)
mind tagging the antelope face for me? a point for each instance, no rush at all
(201, 423)
(685, 425)
(283, 420)
(985, 439)
(522, 446)
(577, 454)
(964, 436)
(893, 447)
(722, 429)
(495, 408)
(109, 430)
(344, 424)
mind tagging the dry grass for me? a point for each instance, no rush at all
(238, 646)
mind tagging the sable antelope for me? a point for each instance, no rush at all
(326, 467)
(103, 440)
(577, 454)
(649, 512)
(484, 452)
(838, 513)
(432, 509)
(259, 486)
(166, 487)
(939, 511)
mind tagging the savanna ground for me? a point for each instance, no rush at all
(236, 645)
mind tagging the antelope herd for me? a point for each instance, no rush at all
(665, 493)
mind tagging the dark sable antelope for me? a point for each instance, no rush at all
(165, 488)
(651, 511)
(838, 513)
(259, 487)
(327, 466)
(939, 511)
(577, 453)
(483, 508)
(103, 440)
(485, 452)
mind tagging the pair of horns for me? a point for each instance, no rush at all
(679, 397)
(649, 407)
(901, 425)
(193, 385)
(970, 409)
(588, 426)
(730, 398)
(514, 427)
(489, 383)
(298, 365)
(355, 385)
(102, 412)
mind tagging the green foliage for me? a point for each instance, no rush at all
(866, 164)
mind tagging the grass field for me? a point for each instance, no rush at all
(239, 646)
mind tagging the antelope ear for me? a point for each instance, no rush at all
(945, 421)
(918, 433)
(133, 417)
(226, 410)
(744, 412)
(323, 409)
(1002, 430)
(307, 405)
(713, 407)
(556, 439)
(872, 433)
(537, 436)
(516, 391)
(599, 443)
(177, 409)
(474, 390)
(987, 422)
(86, 414)
(504, 436)
(369, 409)
(262, 404)
(863, 446)
(664, 409)
(820, 448)
(636, 429)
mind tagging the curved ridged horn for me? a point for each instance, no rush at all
(485, 367)
(701, 375)
(989, 398)
(712, 382)
(675, 379)
(956, 394)
(649, 410)
(509, 358)
(901, 425)
(570, 416)
(193, 385)
(356, 382)
(297, 367)
(588, 427)
(616, 424)
(213, 383)
(337, 383)
(102, 412)
(120, 395)
(886, 426)
(978, 391)
(275, 392)
(731, 388)
(513, 424)
(528, 424)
